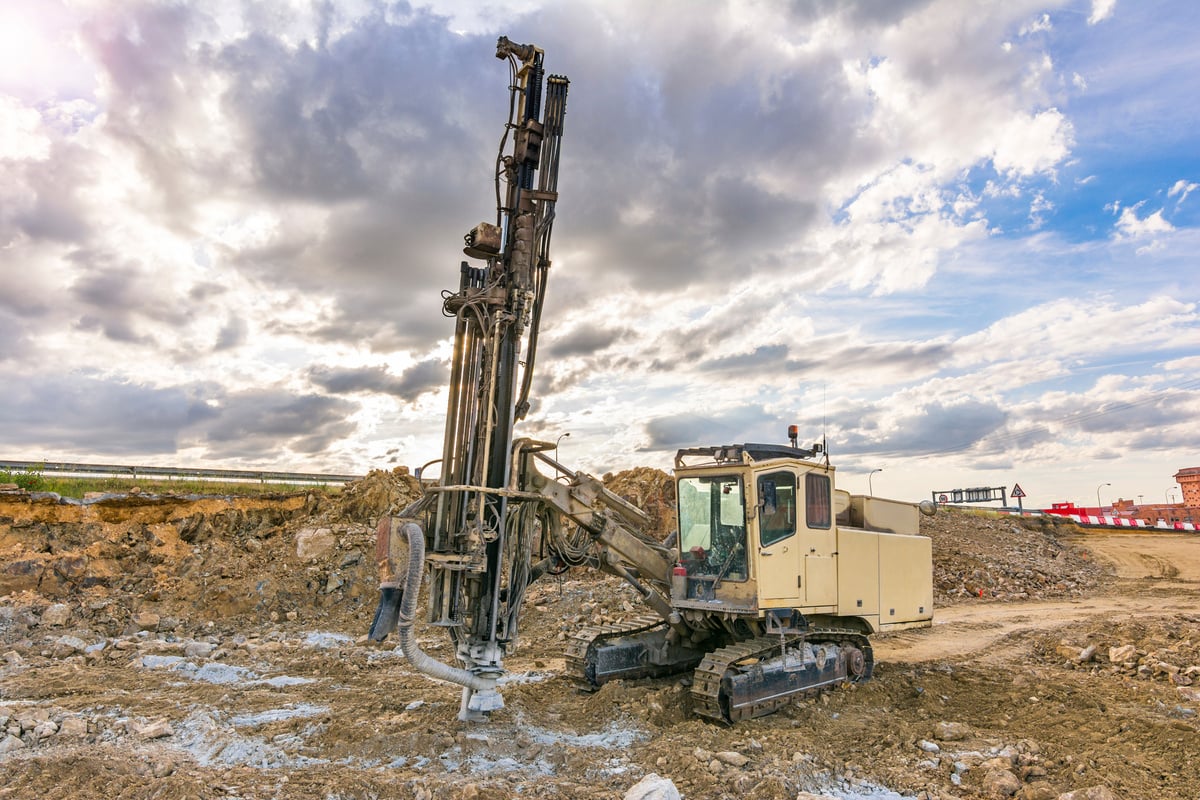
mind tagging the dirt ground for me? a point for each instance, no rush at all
(213, 648)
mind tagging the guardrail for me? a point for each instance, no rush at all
(147, 472)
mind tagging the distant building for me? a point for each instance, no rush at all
(1189, 480)
(1153, 513)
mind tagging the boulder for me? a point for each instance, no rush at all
(146, 621)
(951, 731)
(154, 730)
(653, 787)
(1122, 654)
(1090, 793)
(733, 759)
(57, 615)
(312, 543)
(1001, 783)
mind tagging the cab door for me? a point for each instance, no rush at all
(778, 557)
(818, 541)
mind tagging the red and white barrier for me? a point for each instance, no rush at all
(1126, 522)
(1114, 522)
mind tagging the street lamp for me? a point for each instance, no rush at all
(1098, 506)
(870, 489)
(1167, 494)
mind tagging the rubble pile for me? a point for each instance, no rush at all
(194, 559)
(976, 555)
(1166, 652)
(198, 647)
(380, 492)
(651, 490)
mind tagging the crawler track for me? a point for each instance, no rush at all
(712, 679)
(584, 641)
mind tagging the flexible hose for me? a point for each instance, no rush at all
(408, 643)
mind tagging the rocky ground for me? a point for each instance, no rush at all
(213, 648)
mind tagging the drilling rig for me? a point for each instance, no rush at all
(770, 587)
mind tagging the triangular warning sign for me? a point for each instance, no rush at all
(1017, 491)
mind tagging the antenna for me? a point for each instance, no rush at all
(824, 439)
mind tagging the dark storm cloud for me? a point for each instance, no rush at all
(734, 426)
(56, 213)
(424, 376)
(586, 339)
(395, 123)
(232, 334)
(762, 356)
(203, 291)
(701, 215)
(936, 428)
(917, 358)
(12, 336)
(113, 296)
(263, 423)
(88, 413)
(81, 413)
(861, 13)
(388, 132)
(825, 355)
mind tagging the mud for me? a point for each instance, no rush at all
(214, 648)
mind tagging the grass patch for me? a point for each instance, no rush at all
(31, 480)
(78, 487)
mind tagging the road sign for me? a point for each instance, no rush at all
(981, 494)
(1017, 491)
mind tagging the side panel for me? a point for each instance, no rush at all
(821, 580)
(858, 573)
(780, 572)
(905, 578)
(878, 514)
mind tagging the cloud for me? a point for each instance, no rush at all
(242, 213)
(1034, 143)
(1130, 226)
(1101, 10)
(232, 335)
(82, 412)
(732, 426)
(1183, 189)
(424, 376)
(271, 423)
(85, 412)
(585, 339)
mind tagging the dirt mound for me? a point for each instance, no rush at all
(1002, 558)
(177, 647)
(651, 490)
(194, 560)
(366, 500)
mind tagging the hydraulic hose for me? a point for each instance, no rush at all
(408, 642)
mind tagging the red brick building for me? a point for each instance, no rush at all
(1170, 513)
(1189, 480)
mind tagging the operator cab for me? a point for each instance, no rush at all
(736, 503)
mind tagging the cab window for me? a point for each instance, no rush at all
(817, 506)
(776, 507)
(712, 527)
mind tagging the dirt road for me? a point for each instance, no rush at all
(1155, 573)
(1029, 699)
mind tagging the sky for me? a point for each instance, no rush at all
(955, 241)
